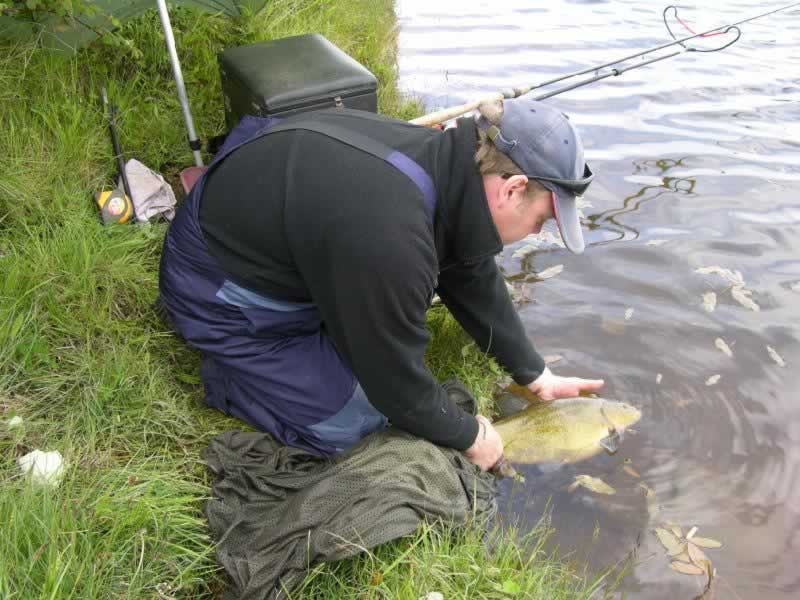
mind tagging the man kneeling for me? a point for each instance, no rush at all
(303, 262)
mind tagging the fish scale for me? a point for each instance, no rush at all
(563, 431)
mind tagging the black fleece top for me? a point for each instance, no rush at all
(299, 216)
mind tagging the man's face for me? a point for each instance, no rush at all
(514, 215)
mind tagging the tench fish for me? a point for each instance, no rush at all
(564, 431)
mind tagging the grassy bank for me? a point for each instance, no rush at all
(91, 371)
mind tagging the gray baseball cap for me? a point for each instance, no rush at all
(546, 147)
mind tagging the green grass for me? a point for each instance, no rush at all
(457, 564)
(92, 372)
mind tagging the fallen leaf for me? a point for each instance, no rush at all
(742, 296)
(628, 314)
(659, 377)
(682, 557)
(520, 296)
(676, 530)
(653, 508)
(505, 470)
(613, 326)
(706, 542)
(686, 568)
(631, 471)
(732, 277)
(713, 380)
(775, 356)
(523, 252)
(698, 556)
(726, 350)
(593, 484)
(656, 242)
(671, 543)
(709, 301)
(708, 570)
(552, 359)
(546, 238)
(710, 573)
(551, 272)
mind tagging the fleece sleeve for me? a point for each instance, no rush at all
(373, 286)
(476, 294)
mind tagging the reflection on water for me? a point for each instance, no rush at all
(700, 157)
(655, 186)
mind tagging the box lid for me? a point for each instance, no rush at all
(296, 70)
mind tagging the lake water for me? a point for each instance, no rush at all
(697, 163)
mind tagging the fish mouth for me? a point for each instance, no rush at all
(613, 440)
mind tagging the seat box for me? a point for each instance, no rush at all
(292, 75)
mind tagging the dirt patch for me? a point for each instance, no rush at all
(10, 404)
(172, 175)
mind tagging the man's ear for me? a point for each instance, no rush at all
(515, 184)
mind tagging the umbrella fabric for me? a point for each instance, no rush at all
(65, 36)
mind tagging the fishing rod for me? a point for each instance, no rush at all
(440, 116)
(169, 37)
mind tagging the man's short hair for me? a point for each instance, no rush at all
(490, 160)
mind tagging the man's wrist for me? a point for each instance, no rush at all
(479, 436)
(533, 385)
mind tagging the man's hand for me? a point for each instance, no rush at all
(550, 387)
(487, 448)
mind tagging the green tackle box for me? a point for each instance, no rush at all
(292, 75)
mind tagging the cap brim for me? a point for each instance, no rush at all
(569, 223)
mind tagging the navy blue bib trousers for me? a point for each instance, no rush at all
(267, 361)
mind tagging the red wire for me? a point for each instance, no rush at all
(692, 31)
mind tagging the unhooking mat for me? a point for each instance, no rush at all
(276, 511)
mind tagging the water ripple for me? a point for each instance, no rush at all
(698, 163)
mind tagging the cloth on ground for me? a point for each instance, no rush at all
(277, 511)
(152, 195)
